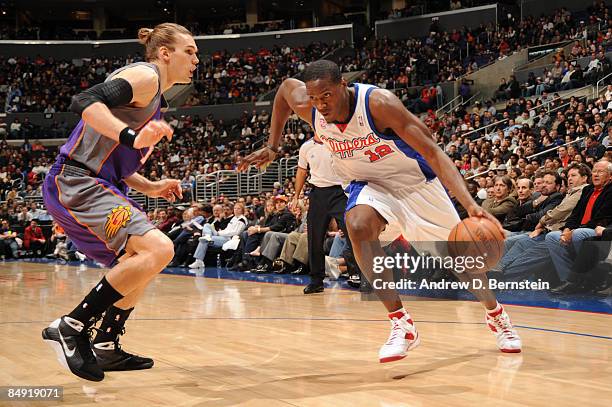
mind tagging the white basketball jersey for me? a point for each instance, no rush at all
(362, 153)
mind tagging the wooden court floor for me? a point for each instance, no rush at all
(232, 343)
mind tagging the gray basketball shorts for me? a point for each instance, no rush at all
(96, 215)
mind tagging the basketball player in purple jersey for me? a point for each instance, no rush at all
(395, 171)
(86, 193)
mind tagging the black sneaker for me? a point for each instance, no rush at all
(71, 343)
(300, 271)
(365, 286)
(112, 358)
(314, 288)
(354, 281)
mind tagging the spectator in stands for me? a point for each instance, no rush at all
(8, 241)
(294, 254)
(33, 239)
(524, 191)
(190, 231)
(607, 140)
(501, 203)
(217, 238)
(58, 239)
(37, 213)
(593, 148)
(593, 68)
(525, 217)
(514, 88)
(524, 118)
(526, 252)
(25, 216)
(593, 209)
(257, 207)
(501, 92)
(584, 275)
(218, 220)
(271, 246)
(563, 156)
(281, 220)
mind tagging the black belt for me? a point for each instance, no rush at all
(71, 167)
(77, 164)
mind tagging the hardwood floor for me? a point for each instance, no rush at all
(221, 342)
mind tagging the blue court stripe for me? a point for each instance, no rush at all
(588, 305)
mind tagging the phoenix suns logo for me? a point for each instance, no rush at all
(117, 219)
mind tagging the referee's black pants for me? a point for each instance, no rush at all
(325, 203)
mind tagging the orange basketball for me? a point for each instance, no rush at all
(478, 239)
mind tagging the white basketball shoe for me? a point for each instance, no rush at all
(403, 338)
(508, 339)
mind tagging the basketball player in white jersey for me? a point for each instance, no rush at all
(396, 172)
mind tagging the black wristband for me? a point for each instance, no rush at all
(275, 149)
(127, 137)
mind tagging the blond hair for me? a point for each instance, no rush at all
(163, 35)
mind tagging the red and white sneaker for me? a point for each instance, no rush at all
(508, 340)
(403, 338)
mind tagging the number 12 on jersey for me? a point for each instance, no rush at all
(378, 153)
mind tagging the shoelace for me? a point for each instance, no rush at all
(116, 341)
(395, 331)
(84, 342)
(92, 329)
(504, 323)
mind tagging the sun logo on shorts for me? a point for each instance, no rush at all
(117, 219)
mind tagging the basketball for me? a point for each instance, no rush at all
(477, 238)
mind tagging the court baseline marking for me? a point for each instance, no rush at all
(336, 320)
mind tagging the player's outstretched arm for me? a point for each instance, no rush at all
(388, 112)
(167, 188)
(290, 97)
(135, 87)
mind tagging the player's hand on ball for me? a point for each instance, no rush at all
(169, 189)
(260, 159)
(152, 133)
(477, 211)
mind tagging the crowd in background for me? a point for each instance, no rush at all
(46, 85)
(243, 76)
(448, 55)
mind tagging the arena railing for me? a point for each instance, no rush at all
(599, 82)
(233, 184)
(481, 129)
(565, 104)
(554, 99)
(549, 110)
(288, 168)
(33, 198)
(579, 139)
(533, 156)
(449, 103)
(466, 102)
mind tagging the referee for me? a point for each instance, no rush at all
(327, 201)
